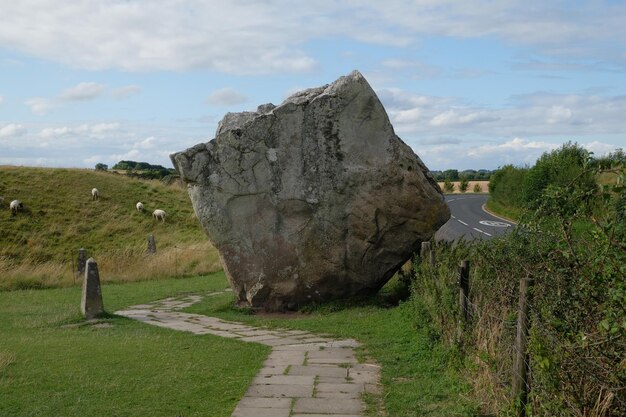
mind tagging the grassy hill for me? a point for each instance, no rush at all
(39, 246)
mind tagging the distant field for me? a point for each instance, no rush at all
(484, 186)
(39, 246)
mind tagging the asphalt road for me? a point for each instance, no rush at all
(469, 221)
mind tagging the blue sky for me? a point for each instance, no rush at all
(472, 84)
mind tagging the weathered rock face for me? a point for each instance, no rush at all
(314, 199)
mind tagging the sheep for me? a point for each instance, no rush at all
(16, 205)
(95, 194)
(159, 214)
(139, 206)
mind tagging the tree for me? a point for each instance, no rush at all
(558, 168)
(451, 174)
(463, 184)
(101, 167)
(448, 186)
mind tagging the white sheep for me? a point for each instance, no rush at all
(159, 214)
(16, 205)
(139, 206)
(95, 194)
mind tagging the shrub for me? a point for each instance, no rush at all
(478, 188)
(560, 167)
(463, 184)
(448, 186)
(505, 185)
(573, 247)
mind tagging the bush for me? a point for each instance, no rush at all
(573, 247)
(448, 186)
(560, 168)
(478, 188)
(506, 185)
(463, 184)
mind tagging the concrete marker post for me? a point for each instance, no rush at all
(91, 304)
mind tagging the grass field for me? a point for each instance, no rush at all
(54, 364)
(39, 246)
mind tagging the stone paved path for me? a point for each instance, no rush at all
(305, 375)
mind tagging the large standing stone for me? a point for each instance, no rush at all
(91, 302)
(311, 200)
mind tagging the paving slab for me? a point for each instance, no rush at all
(280, 391)
(260, 412)
(260, 402)
(305, 375)
(325, 415)
(328, 406)
(318, 370)
(284, 380)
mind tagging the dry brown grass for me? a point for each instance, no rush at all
(131, 264)
(6, 359)
(484, 186)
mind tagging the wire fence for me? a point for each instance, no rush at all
(520, 344)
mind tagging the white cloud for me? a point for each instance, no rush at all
(82, 91)
(248, 37)
(418, 69)
(101, 128)
(513, 145)
(127, 91)
(1, 100)
(599, 148)
(98, 130)
(226, 97)
(558, 114)
(472, 154)
(40, 105)
(440, 141)
(12, 130)
(147, 143)
(532, 115)
(457, 118)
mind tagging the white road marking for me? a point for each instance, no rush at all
(494, 223)
(478, 230)
(452, 216)
(461, 221)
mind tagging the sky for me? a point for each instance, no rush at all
(473, 84)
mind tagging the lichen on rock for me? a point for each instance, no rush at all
(311, 200)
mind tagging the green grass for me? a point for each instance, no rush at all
(60, 217)
(39, 246)
(52, 364)
(507, 212)
(418, 372)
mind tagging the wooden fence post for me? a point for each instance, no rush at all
(82, 258)
(427, 253)
(464, 289)
(463, 298)
(520, 365)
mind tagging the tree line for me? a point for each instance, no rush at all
(136, 169)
